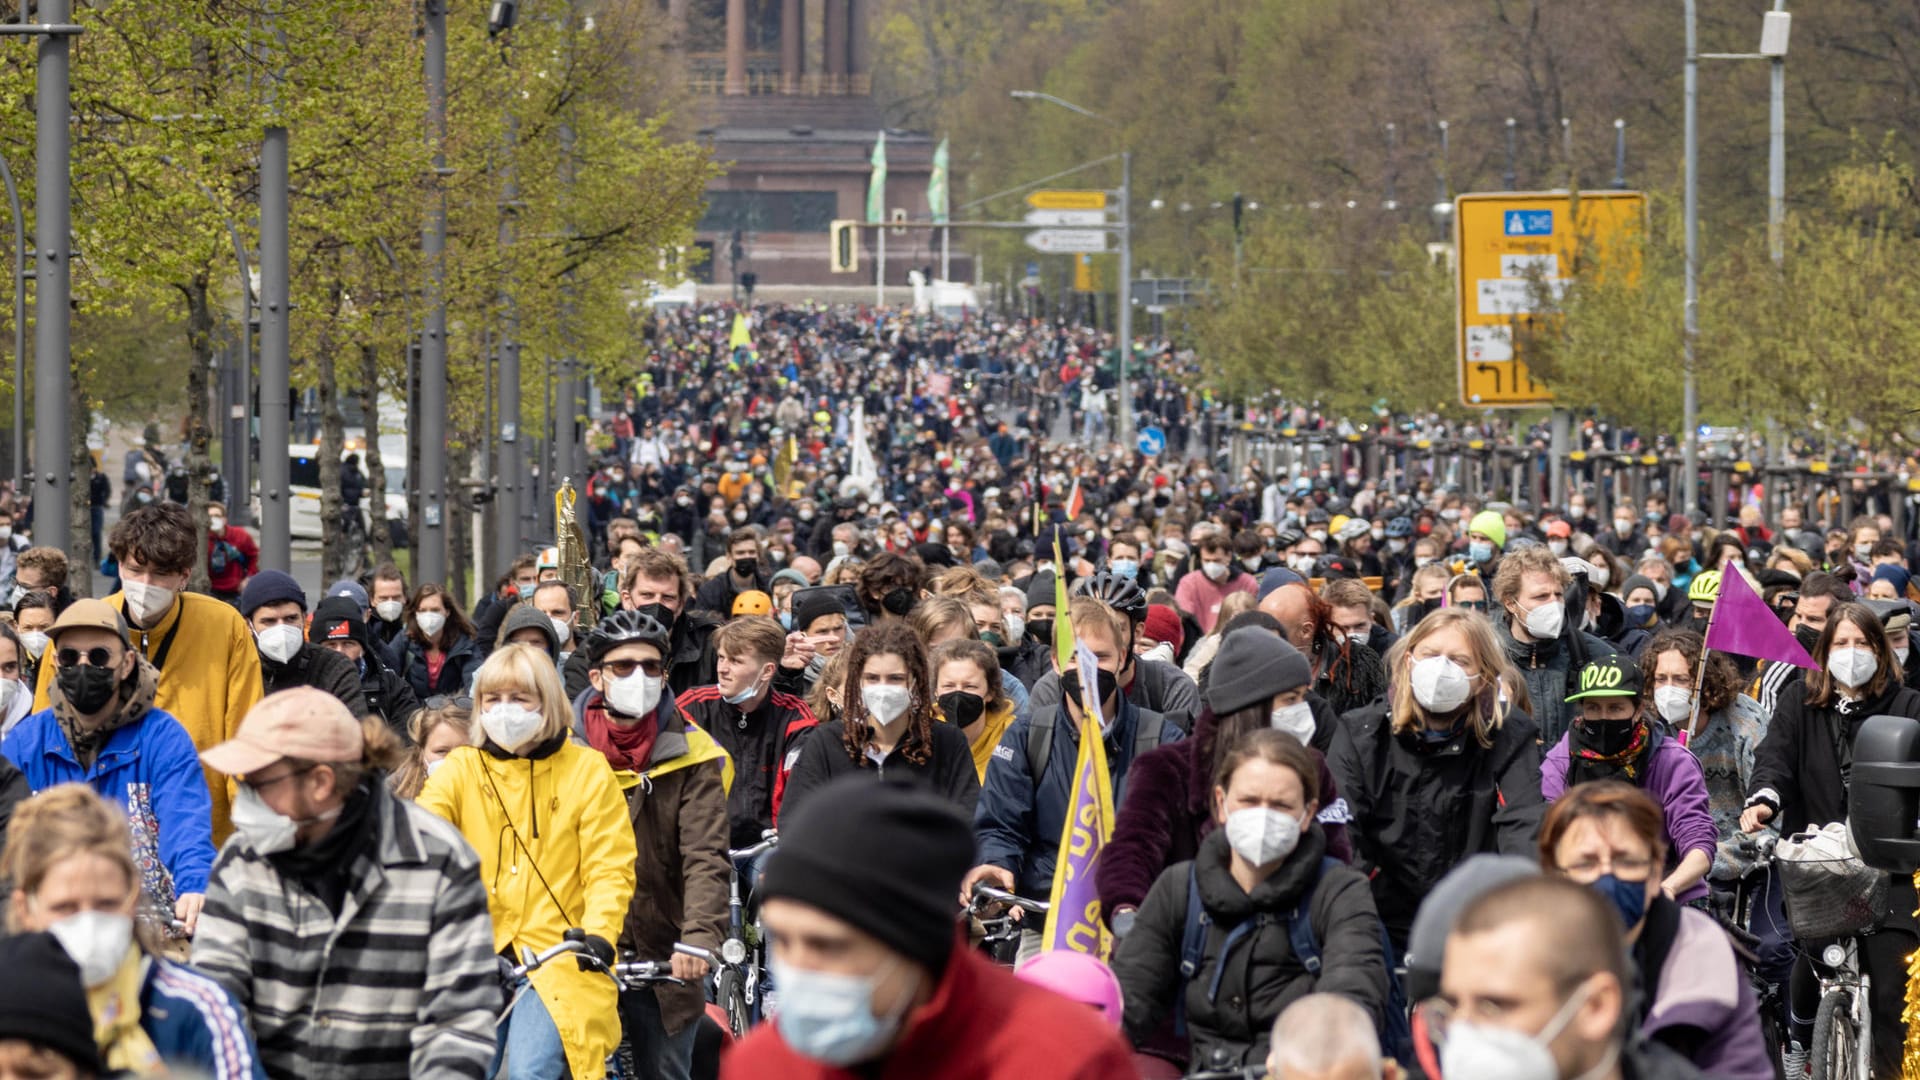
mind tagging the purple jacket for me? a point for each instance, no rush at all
(1701, 988)
(1168, 809)
(1674, 779)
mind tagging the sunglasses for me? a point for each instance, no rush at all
(441, 701)
(98, 656)
(620, 669)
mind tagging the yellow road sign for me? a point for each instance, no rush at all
(1514, 252)
(1068, 200)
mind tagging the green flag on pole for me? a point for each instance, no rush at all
(937, 185)
(877, 186)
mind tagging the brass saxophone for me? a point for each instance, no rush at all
(575, 567)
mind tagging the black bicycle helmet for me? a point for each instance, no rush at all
(624, 628)
(1119, 593)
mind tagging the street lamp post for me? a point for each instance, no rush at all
(430, 535)
(1124, 319)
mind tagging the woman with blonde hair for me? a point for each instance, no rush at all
(432, 734)
(548, 820)
(71, 864)
(1445, 768)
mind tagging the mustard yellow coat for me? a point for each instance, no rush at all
(570, 820)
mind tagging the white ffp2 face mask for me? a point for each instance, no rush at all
(635, 695)
(1440, 685)
(1261, 835)
(1673, 703)
(97, 941)
(511, 726)
(1295, 719)
(429, 622)
(1852, 667)
(279, 643)
(146, 603)
(389, 610)
(885, 703)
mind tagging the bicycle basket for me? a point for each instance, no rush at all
(1830, 898)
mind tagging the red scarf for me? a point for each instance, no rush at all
(625, 747)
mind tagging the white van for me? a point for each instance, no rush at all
(303, 472)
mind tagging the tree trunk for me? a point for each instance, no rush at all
(81, 557)
(335, 560)
(377, 532)
(199, 424)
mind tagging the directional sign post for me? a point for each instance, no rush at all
(1153, 441)
(1516, 255)
(1068, 241)
(1067, 218)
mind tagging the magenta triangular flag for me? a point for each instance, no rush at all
(1743, 624)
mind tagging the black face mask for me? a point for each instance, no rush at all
(1109, 684)
(87, 688)
(660, 612)
(1608, 737)
(899, 601)
(746, 568)
(1040, 630)
(961, 708)
(1808, 637)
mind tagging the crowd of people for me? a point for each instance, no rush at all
(1405, 783)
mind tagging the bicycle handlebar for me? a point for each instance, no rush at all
(768, 841)
(984, 894)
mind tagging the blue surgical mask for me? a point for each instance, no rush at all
(786, 619)
(1126, 568)
(1480, 551)
(1639, 615)
(1629, 898)
(830, 1018)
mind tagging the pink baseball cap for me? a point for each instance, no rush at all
(303, 723)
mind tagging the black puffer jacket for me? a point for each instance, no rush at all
(320, 668)
(1418, 807)
(1803, 765)
(1261, 976)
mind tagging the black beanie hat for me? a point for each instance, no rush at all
(1040, 592)
(897, 883)
(270, 587)
(813, 604)
(1253, 664)
(336, 618)
(42, 1001)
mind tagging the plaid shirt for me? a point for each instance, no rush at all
(404, 983)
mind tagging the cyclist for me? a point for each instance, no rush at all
(1800, 781)
(760, 728)
(1694, 997)
(399, 982)
(1325, 1037)
(75, 877)
(433, 733)
(1265, 862)
(1614, 739)
(889, 724)
(275, 608)
(1149, 685)
(1447, 768)
(1257, 681)
(658, 584)
(339, 624)
(438, 655)
(557, 852)
(1077, 977)
(1530, 589)
(874, 977)
(972, 696)
(1535, 984)
(674, 777)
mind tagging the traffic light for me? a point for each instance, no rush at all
(748, 280)
(844, 247)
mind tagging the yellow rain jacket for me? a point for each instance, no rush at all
(564, 814)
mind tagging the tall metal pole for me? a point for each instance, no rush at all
(1512, 176)
(1125, 295)
(19, 329)
(1777, 157)
(1690, 394)
(510, 466)
(567, 393)
(430, 558)
(52, 224)
(880, 266)
(276, 417)
(1619, 154)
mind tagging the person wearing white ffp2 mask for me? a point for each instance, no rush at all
(276, 612)
(76, 880)
(1533, 987)
(1266, 859)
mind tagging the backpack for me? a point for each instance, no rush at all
(1147, 729)
(1396, 1026)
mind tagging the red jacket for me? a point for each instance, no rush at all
(982, 1024)
(233, 571)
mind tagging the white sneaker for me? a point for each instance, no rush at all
(1797, 1061)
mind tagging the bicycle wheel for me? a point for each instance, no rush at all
(731, 992)
(1836, 1038)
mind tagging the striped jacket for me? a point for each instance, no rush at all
(403, 984)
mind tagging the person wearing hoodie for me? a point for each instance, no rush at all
(338, 626)
(1531, 588)
(1257, 681)
(103, 730)
(1614, 738)
(528, 625)
(276, 609)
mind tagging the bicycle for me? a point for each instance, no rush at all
(1000, 936)
(628, 975)
(1835, 901)
(739, 985)
(1753, 854)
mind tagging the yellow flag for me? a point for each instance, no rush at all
(1062, 626)
(741, 336)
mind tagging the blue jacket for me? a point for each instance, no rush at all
(149, 765)
(1018, 820)
(193, 1022)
